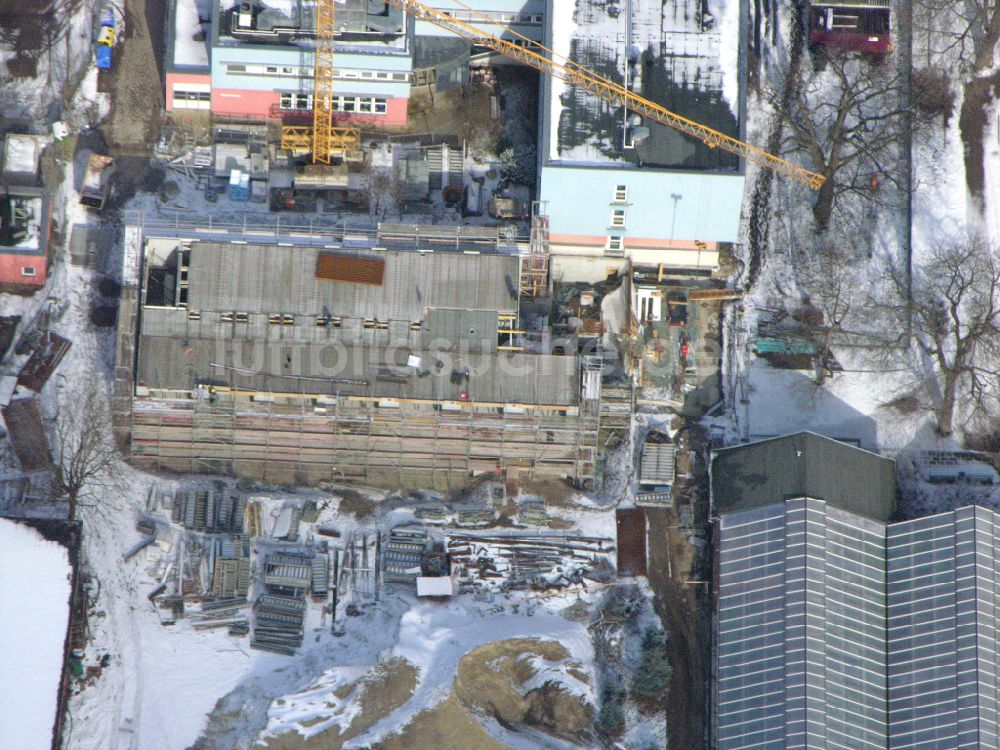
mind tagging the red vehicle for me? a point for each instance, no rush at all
(854, 25)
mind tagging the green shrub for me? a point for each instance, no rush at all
(652, 678)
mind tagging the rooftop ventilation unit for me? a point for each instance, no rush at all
(244, 16)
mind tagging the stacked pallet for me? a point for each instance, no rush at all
(209, 511)
(320, 576)
(279, 623)
(403, 553)
(232, 578)
(288, 574)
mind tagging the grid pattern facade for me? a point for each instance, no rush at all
(836, 631)
(801, 646)
(943, 583)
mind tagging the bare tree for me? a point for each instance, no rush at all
(84, 449)
(954, 313)
(953, 36)
(848, 122)
(832, 287)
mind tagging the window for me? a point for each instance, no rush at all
(272, 69)
(242, 317)
(194, 315)
(236, 68)
(287, 71)
(618, 217)
(616, 243)
(226, 317)
(349, 104)
(27, 270)
(621, 193)
(192, 96)
(295, 101)
(324, 321)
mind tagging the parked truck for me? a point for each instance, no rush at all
(105, 39)
(96, 181)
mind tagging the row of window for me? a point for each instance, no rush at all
(376, 105)
(183, 99)
(496, 16)
(307, 72)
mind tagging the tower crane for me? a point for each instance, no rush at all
(544, 60)
(323, 140)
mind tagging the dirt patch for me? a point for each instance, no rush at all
(134, 82)
(387, 687)
(553, 491)
(685, 618)
(356, 504)
(491, 678)
(464, 112)
(447, 726)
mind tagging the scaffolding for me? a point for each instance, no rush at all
(413, 446)
(535, 265)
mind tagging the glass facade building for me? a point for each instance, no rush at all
(801, 654)
(834, 630)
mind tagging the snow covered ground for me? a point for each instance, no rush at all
(35, 577)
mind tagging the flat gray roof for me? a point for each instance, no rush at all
(803, 465)
(357, 369)
(275, 279)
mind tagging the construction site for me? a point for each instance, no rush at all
(400, 297)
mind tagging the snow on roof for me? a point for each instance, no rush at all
(955, 466)
(435, 586)
(21, 220)
(663, 52)
(34, 599)
(187, 24)
(21, 154)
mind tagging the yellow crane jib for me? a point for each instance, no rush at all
(610, 91)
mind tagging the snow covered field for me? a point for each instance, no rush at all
(35, 577)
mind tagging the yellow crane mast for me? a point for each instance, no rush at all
(608, 90)
(323, 82)
(323, 140)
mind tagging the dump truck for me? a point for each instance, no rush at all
(96, 181)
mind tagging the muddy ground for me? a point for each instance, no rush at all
(135, 82)
(683, 602)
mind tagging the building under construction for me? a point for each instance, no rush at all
(298, 364)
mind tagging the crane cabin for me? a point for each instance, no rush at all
(852, 25)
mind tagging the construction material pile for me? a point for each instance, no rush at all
(209, 510)
(536, 562)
